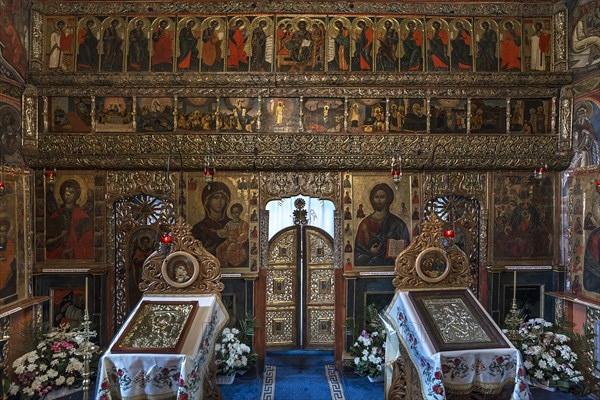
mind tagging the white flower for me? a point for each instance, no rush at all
(13, 389)
(70, 381)
(365, 352)
(539, 374)
(356, 360)
(528, 364)
(542, 364)
(52, 373)
(235, 331)
(60, 380)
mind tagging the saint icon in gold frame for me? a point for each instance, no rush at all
(433, 265)
(180, 269)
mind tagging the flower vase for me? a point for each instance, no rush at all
(376, 379)
(225, 379)
(542, 384)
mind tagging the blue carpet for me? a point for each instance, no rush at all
(301, 374)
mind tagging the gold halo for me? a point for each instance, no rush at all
(82, 183)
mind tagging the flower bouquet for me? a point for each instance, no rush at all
(369, 353)
(55, 363)
(547, 357)
(233, 355)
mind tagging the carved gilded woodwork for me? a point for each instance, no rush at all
(127, 221)
(406, 382)
(280, 286)
(121, 185)
(469, 184)
(525, 9)
(461, 211)
(249, 84)
(320, 327)
(565, 132)
(30, 117)
(302, 152)
(37, 38)
(209, 279)
(282, 290)
(431, 238)
(280, 327)
(324, 185)
(320, 288)
(560, 36)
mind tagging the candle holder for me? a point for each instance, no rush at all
(538, 173)
(513, 320)
(88, 349)
(166, 244)
(396, 170)
(50, 176)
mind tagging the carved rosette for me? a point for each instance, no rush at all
(209, 279)
(406, 276)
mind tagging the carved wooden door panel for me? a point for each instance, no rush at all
(319, 289)
(300, 290)
(281, 326)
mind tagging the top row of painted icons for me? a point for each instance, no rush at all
(296, 44)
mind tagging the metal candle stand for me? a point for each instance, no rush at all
(88, 349)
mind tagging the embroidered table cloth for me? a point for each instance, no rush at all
(485, 370)
(162, 375)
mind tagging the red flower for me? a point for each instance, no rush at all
(120, 372)
(181, 383)
(401, 316)
(457, 361)
(165, 371)
(521, 372)
(104, 385)
(103, 397)
(522, 386)
(445, 369)
(182, 396)
(438, 374)
(500, 360)
(176, 376)
(437, 389)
